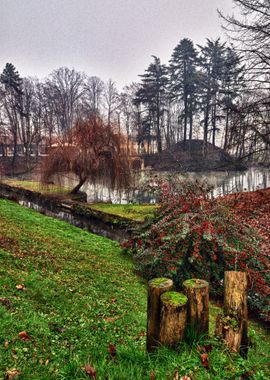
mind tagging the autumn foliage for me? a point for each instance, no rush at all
(92, 151)
(194, 235)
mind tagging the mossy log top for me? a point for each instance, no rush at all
(173, 298)
(195, 283)
(160, 282)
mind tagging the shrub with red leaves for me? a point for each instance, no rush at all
(194, 235)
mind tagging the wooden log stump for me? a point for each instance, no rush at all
(197, 292)
(232, 325)
(156, 288)
(173, 318)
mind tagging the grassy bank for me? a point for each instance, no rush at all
(37, 186)
(73, 294)
(135, 212)
(131, 211)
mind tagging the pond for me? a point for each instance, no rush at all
(222, 182)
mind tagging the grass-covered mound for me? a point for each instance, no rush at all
(69, 294)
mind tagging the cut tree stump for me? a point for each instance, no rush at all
(173, 318)
(232, 325)
(197, 292)
(156, 288)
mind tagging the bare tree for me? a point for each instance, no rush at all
(94, 90)
(252, 32)
(64, 88)
(111, 100)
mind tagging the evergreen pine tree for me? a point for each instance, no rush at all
(152, 95)
(183, 81)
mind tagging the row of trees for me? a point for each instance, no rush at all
(195, 95)
(216, 92)
(34, 112)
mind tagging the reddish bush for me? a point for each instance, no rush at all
(196, 236)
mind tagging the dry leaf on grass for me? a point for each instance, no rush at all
(112, 351)
(20, 287)
(24, 336)
(91, 372)
(5, 301)
(205, 360)
(12, 374)
(176, 374)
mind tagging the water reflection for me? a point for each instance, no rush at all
(234, 182)
(222, 182)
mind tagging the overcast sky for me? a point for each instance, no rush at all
(108, 38)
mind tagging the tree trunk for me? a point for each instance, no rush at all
(226, 130)
(206, 122)
(190, 126)
(232, 326)
(76, 189)
(173, 318)
(156, 287)
(197, 292)
(14, 153)
(214, 111)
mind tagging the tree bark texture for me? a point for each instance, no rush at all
(197, 292)
(173, 318)
(156, 288)
(232, 326)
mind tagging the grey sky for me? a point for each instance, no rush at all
(107, 38)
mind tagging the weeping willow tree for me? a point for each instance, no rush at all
(92, 151)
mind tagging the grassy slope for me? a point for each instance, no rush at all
(80, 295)
(131, 211)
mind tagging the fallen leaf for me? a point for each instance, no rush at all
(6, 344)
(152, 375)
(185, 378)
(112, 351)
(20, 287)
(205, 360)
(46, 362)
(176, 374)
(91, 372)
(207, 348)
(5, 301)
(11, 374)
(24, 336)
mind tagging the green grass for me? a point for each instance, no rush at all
(36, 186)
(131, 211)
(80, 295)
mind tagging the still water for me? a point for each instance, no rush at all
(222, 182)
